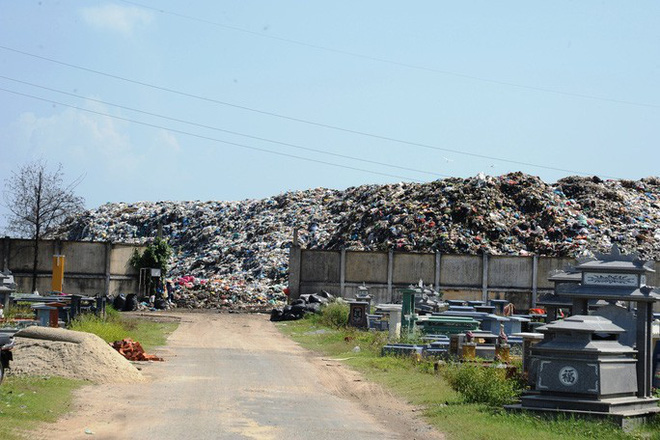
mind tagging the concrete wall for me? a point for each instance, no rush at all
(461, 271)
(320, 266)
(410, 268)
(473, 277)
(549, 264)
(368, 267)
(90, 268)
(510, 272)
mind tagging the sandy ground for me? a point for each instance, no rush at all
(232, 376)
(45, 351)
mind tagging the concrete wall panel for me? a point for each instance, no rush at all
(21, 256)
(410, 268)
(461, 270)
(367, 267)
(549, 264)
(24, 284)
(119, 260)
(84, 269)
(507, 271)
(84, 286)
(84, 258)
(123, 286)
(319, 266)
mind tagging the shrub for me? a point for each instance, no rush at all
(109, 330)
(19, 311)
(335, 314)
(482, 384)
(157, 255)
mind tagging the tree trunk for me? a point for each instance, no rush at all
(35, 263)
(37, 230)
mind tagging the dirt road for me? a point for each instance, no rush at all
(230, 376)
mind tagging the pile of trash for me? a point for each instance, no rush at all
(513, 214)
(235, 254)
(233, 293)
(307, 303)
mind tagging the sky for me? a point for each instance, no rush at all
(230, 100)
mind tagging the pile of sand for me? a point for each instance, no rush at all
(43, 351)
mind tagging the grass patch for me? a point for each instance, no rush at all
(26, 402)
(117, 326)
(445, 408)
(478, 384)
(335, 315)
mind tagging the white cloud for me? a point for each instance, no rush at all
(121, 19)
(90, 141)
(166, 141)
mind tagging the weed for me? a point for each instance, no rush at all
(481, 384)
(108, 329)
(115, 327)
(335, 314)
(20, 310)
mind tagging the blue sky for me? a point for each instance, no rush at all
(564, 87)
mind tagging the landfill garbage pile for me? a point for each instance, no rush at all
(231, 255)
(235, 254)
(513, 214)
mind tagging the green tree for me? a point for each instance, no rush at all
(157, 254)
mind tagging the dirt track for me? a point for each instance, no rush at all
(230, 376)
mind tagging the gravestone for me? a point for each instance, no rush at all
(357, 316)
(623, 318)
(581, 366)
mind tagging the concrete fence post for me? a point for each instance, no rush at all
(108, 261)
(438, 258)
(295, 261)
(57, 247)
(535, 280)
(484, 280)
(342, 273)
(390, 274)
(5, 253)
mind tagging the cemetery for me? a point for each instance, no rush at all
(587, 350)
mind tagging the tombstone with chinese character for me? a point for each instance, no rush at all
(582, 359)
(582, 366)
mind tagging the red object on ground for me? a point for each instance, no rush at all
(133, 351)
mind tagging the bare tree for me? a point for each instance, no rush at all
(38, 200)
